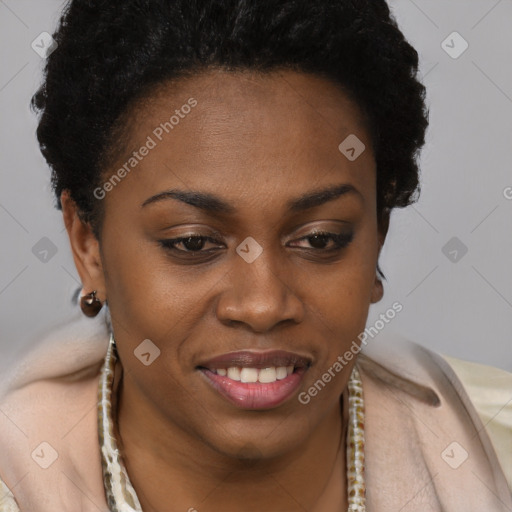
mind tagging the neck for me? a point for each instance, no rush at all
(167, 464)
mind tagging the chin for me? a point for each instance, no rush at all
(259, 444)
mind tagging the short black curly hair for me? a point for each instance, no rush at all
(113, 52)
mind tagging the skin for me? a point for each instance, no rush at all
(257, 142)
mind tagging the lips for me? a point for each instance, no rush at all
(248, 359)
(255, 380)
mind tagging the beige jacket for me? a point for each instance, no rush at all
(426, 447)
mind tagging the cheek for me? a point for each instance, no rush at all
(343, 308)
(136, 288)
(344, 290)
(149, 297)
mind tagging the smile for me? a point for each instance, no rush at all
(252, 380)
(263, 375)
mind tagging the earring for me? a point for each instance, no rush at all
(90, 304)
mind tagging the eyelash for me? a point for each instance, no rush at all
(341, 241)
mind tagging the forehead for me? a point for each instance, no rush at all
(246, 133)
(244, 99)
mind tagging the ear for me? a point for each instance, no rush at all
(84, 247)
(378, 289)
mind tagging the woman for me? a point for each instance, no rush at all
(226, 172)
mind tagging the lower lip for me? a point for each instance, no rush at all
(255, 395)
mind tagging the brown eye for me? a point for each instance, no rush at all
(191, 243)
(318, 241)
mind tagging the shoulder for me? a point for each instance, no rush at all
(65, 350)
(490, 391)
(411, 366)
(48, 422)
(417, 406)
(7, 501)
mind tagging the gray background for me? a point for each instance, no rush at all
(457, 304)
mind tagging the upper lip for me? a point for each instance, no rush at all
(251, 359)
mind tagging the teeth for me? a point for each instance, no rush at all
(267, 375)
(249, 375)
(263, 375)
(233, 373)
(281, 373)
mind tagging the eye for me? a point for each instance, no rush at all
(319, 239)
(192, 243)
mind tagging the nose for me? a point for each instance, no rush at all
(261, 295)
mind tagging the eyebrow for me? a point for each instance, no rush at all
(322, 196)
(215, 205)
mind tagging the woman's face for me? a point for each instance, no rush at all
(249, 156)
